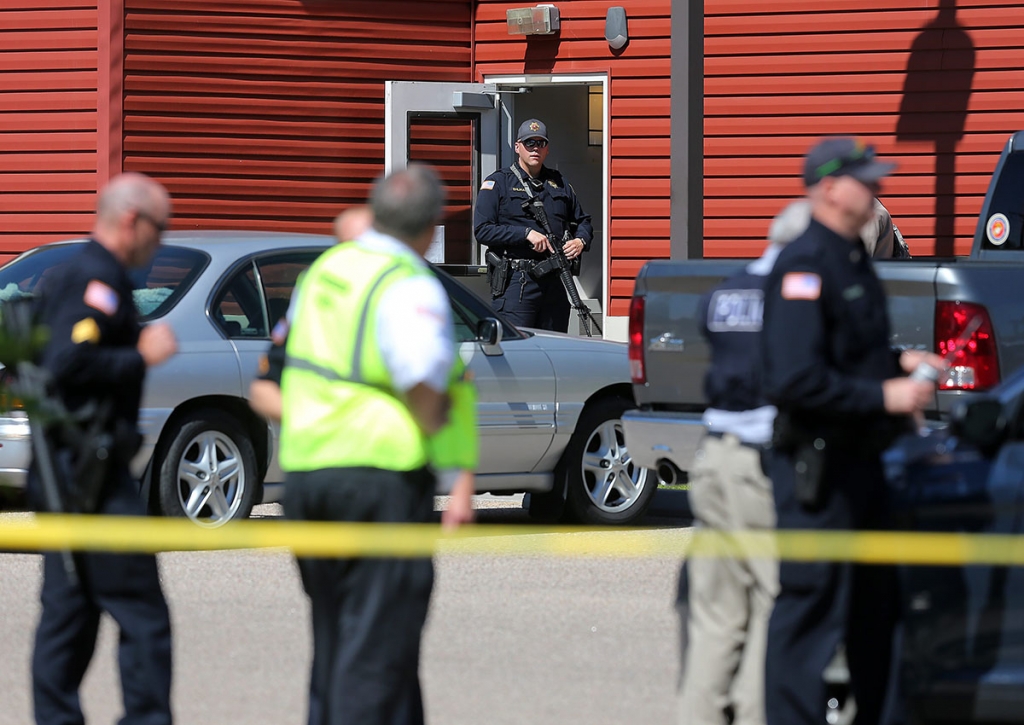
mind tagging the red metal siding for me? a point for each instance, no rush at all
(936, 85)
(48, 84)
(269, 114)
(447, 145)
(639, 130)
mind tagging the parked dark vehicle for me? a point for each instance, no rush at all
(931, 301)
(963, 657)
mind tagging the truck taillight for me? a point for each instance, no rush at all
(636, 341)
(976, 365)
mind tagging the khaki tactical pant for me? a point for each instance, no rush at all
(730, 600)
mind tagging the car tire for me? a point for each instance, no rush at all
(208, 472)
(604, 485)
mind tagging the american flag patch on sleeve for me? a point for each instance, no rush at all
(487, 185)
(101, 297)
(801, 286)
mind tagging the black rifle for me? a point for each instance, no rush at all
(23, 380)
(534, 207)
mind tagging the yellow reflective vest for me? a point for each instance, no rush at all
(340, 408)
(456, 445)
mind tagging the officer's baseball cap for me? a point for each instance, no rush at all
(844, 156)
(532, 128)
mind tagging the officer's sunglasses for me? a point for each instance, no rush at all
(161, 226)
(859, 156)
(534, 143)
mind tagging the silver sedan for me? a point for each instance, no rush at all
(549, 404)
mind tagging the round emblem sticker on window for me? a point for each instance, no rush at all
(997, 229)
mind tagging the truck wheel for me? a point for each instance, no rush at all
(604, 485)
(208, 472)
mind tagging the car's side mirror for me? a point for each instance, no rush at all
(488, 331)
(980, 422)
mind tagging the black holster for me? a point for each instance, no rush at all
(810, 487)
(85, 460)
(499, 273)
(808, 452)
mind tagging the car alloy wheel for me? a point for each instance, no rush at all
(613, 482)
(604, 485)
(211, 478)
(208, 471)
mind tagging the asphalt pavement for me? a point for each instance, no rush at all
(510, 639)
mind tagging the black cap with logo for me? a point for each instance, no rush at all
(844, 156)
(532, 128)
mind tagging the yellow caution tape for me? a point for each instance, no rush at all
(328, 539)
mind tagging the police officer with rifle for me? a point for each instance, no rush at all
(535, 229)
(85, 386)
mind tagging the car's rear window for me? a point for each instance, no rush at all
(159, 286)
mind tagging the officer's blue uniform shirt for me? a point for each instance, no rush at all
(731, 320)
(826, 330)
(501, 223)
(87, 305)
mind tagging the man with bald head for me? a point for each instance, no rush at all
(97, 357)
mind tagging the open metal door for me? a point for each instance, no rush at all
(458, 128)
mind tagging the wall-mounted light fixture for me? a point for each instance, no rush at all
(541, 20)
(615, 31)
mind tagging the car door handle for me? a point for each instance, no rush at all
(666, 342)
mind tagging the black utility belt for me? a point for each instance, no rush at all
(746, 444)
(524, 264)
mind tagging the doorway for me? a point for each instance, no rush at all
(468, 130)
(573, 108)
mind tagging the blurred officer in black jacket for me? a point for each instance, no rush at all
(518, 239)
(729, 600)
(842, 399)
(98, 355)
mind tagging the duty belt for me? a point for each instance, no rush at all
(520, 263)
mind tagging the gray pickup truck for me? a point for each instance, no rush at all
(931, 300)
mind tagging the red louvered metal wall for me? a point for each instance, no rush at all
(48, 120)
(640, 112)
(937, 85)
(269, 114)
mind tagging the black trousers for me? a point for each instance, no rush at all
(368, 614)
(127, 586)
(529, 303)
(821, 604)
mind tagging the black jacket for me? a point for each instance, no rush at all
(826, 335)
(86, 303)
(502, 225)
(731, 321)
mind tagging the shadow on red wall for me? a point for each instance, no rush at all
(541, 53)
(940, 75)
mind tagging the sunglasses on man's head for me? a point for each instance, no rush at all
(534, 143)
(860, 155)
